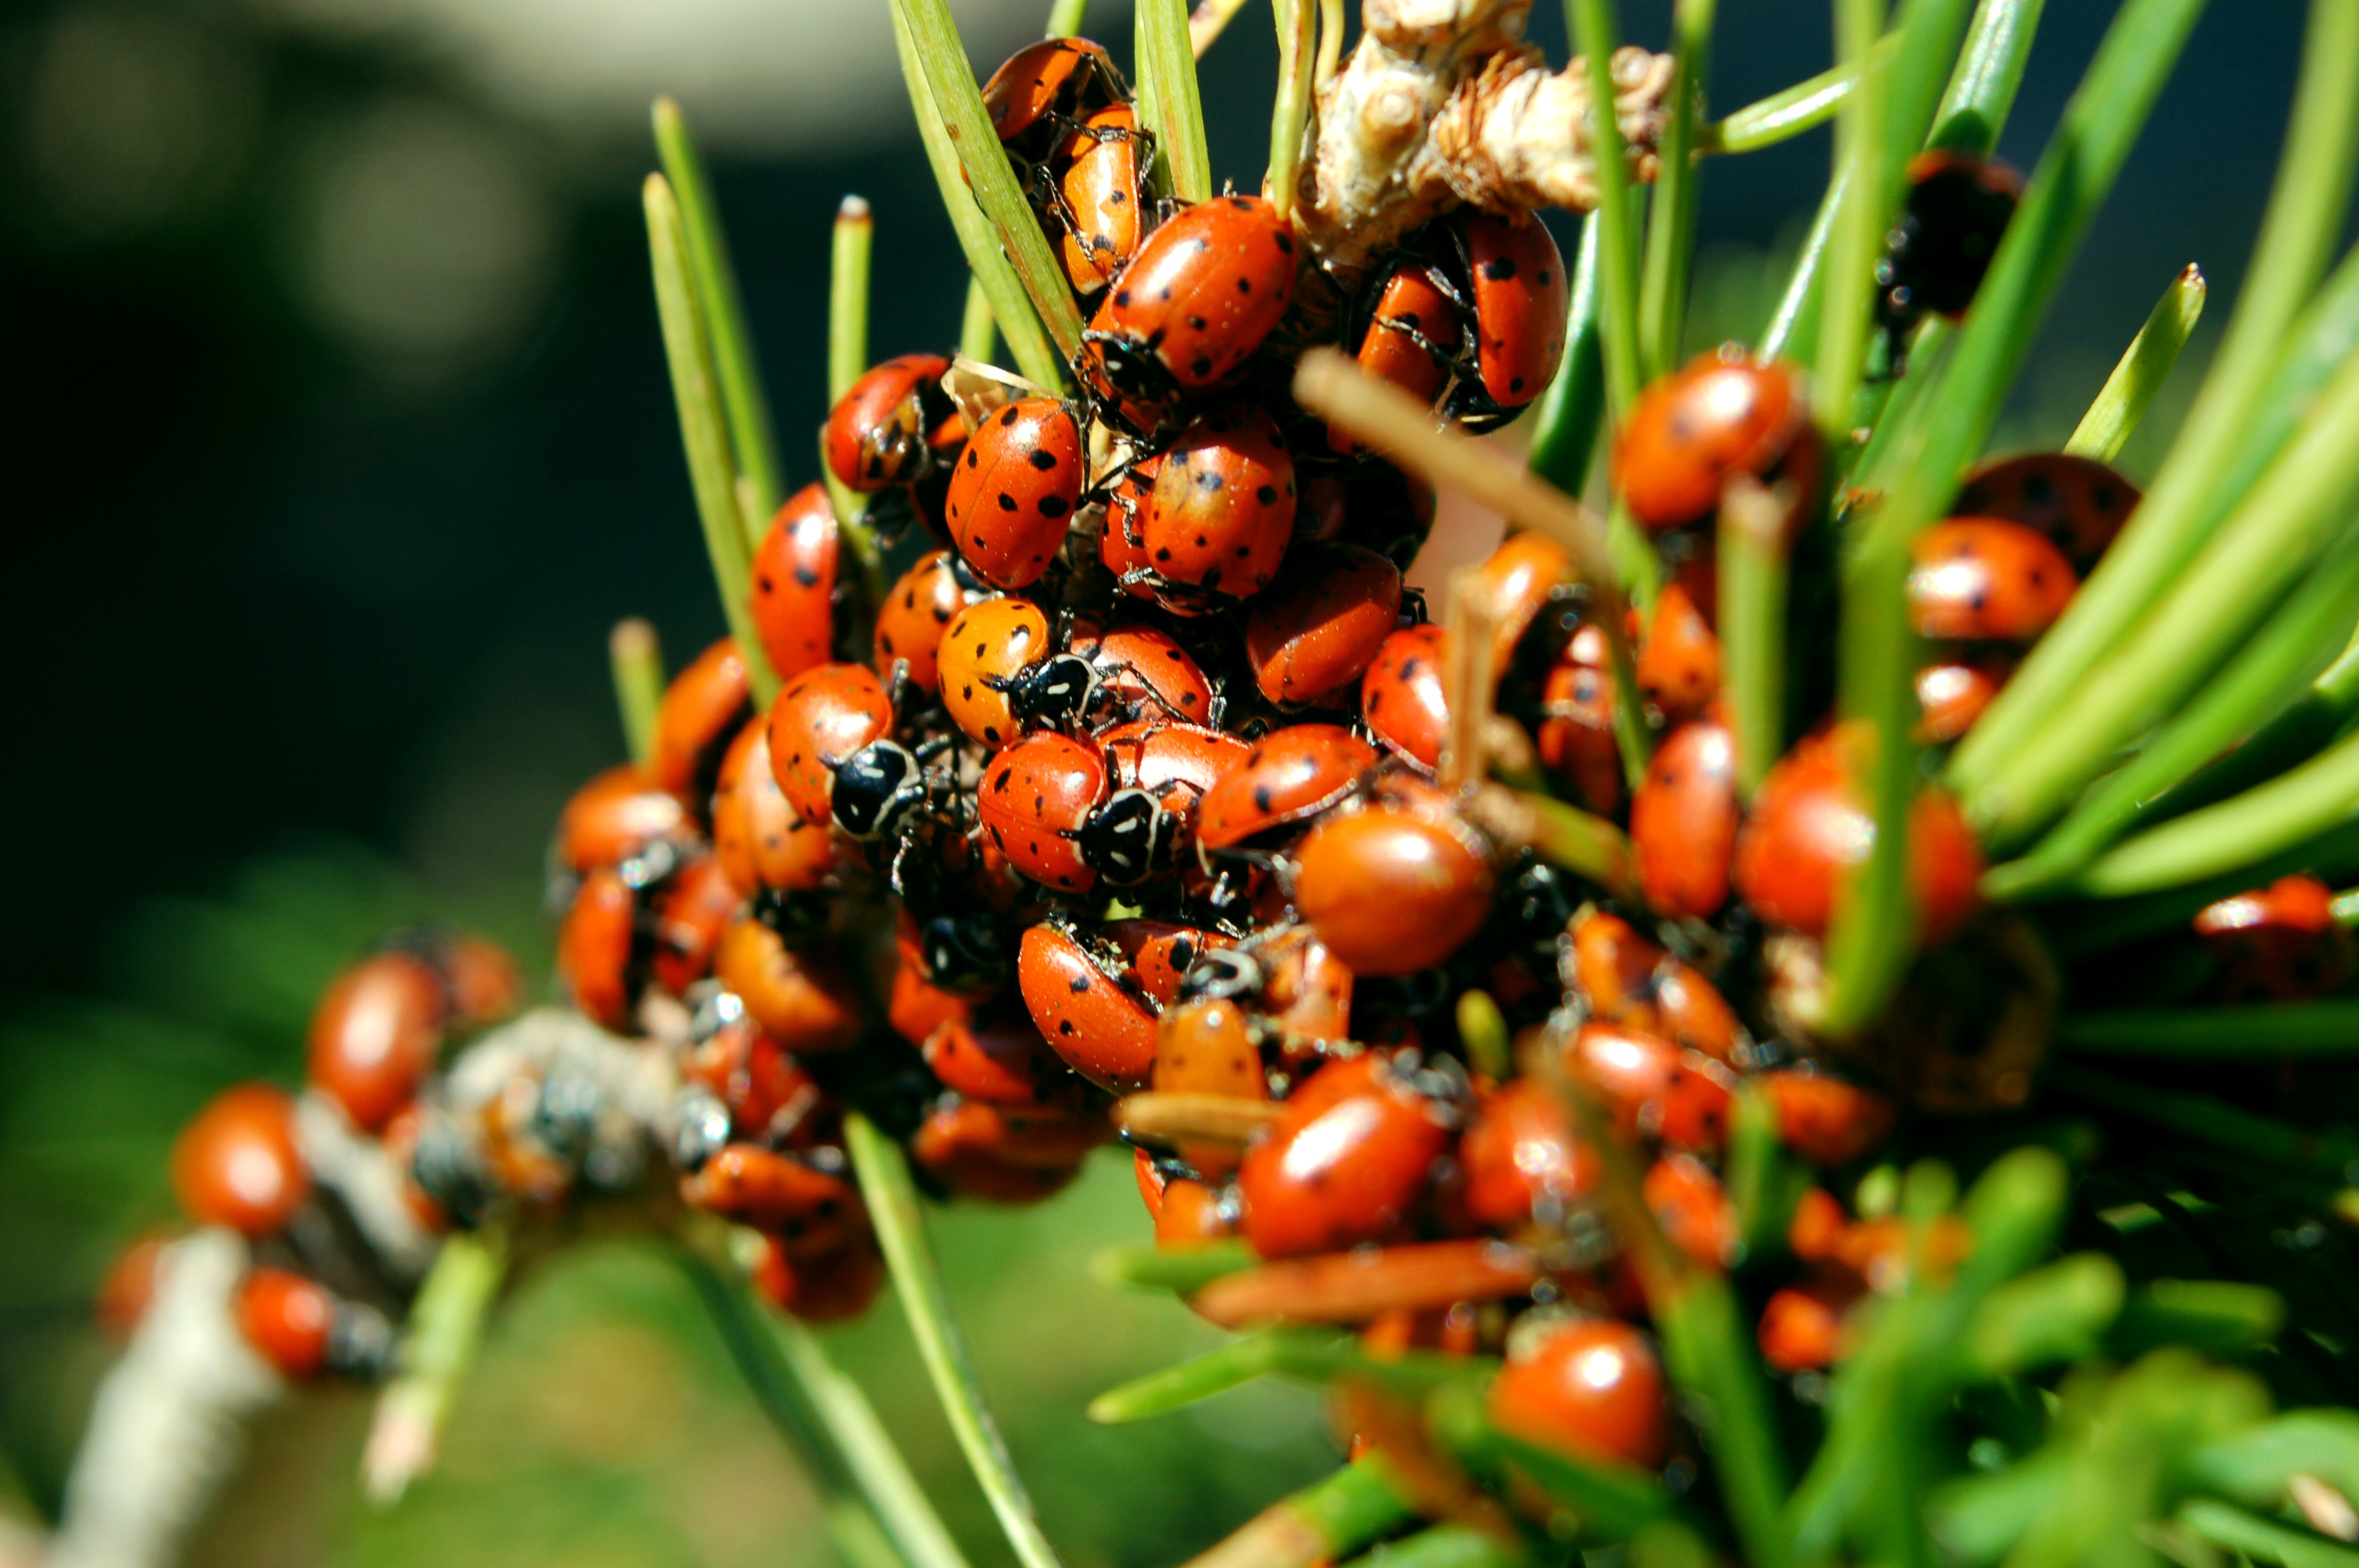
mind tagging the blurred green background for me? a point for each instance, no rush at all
(336, 435)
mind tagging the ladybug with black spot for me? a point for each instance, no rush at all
(1958, 208)
(1014, 490)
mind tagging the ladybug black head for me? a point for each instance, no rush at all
(878, 790)
(1128, 838)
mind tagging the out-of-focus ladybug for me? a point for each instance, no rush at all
(1392, 891)
(1194, 304)
(1655, 1090)
(1319, 631)
(801, 1000)
(1403, 700)
(2281, 943)
(809, 1210)
(970, 1148)
(916, 611)
(1825, 1119)
(287, 1319)
(1679, 659)
(2079, 503)
(1802, 1327)
(1986, 579)
(1104, 1032)
(794, 584)
(1290, 776)
(1951, 694)
(1038, 93)
(998, 1058)
(695, 906)
(1683, 821)
(1591, 1387)
(1012, 492)
(893, 425)
(1576, 741)
(1348, 1160)
(601, 951)
(375, 1034)
(1808, 825)
(1695, 1213)
(1102, 197)
(1222, 511)
(238, 1164)
(829, 1288)
(699, 713)
(761, 841)
(622, 819)
(1934, 258)
(1208, 1046)
(1521, 1153)
(1724, 414)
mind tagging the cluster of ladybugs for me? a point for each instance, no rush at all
(1140, 770)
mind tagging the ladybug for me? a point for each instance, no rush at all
(1576, 740)
(1208, 1046)
(1319, 631)
(1372, 504)
(1519, 1154)
(1160, 774)
(1984, 579)
(765, 1091)
(1613, 968)
(702, 709)
(1000, 672)
(2281, 943)
(1346, 1161)
(1142, 672)
(1035, 796)
(1521, 305)
(971, 1149)
(287, 1319)
(1307, 993)
(916, 611)
(1678, 661)
(1289, 776)
(1683, 822)
(1952, 693)
(1161, 952)
(1103, 1032)
(1412, 337)
(1392, 891)
(1725, 413)
(1655, 1087)
(622, 818)
(1803, 1326)
(761, 841)
(802, 1000)
(1823, 1119)
(601, 956)
(1957, 211)
(239, 1163)
(1808, 825)
(1102, 197)
(999, 1058)
(1693, 1013)
(1222, 511)
(832, 757)
(1695, 1213)
(1520, 578)
(807, 1210)
(1194, 304)
(375, 1034)
(833, 1287)
(794, 583)
(2079, 503)
(891, 426)
(1012, 493)
(1402, 699)
(1044, 87)
(918, 1005)
(1192, 1212)
(696, 904)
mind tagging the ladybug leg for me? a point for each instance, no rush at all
(1413, 605)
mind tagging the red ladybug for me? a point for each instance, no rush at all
(1208, 1046)
(1803, 1326)
(1104, 1032)
(1392, 893)
(888, 429)
(287, 1320)
(1223, 507)
(2079, 503)
(1402, 699)
(1827, 1120)
(1614, 968)
(801, 1000)
(1952, 693)
(1013, 492)
(602, 957)
(999, 1058)
(1307, 993)
(618, 818)
(1678, 660)
(1808, 825)
(2281, 943)
(1591, 1388)
(1346, 1162)
(1520, 1151)
(830, 752)
(1142, 672)
(1576, 736)
(1321, 630)
(1695, 1213)
(1161, 772)
(1034, 798)
(794, 584)
(994, 657)
(1102, 185)
(1042, 87)
(971, 1149)
(1290, 774)
(1194, 304)
(769, 1094)
(831, 1288)
(1521, 305)
(1161, 952)
(1656, 1089)
(1413, 337)
(375, 1034)
(763, 843)
(1683, 822)
(917, 610)
(1723, 414)
(237, 1162)
(694, 907)
(1979, 578)
(807, 1210)
(1520, 578)
(701, 711)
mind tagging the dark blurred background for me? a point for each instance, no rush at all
(336, 436)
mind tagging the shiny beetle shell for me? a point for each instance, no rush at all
(761, 841)
(1197, 300)
(1986, 579)
(1723, 414)
(1521, 304)
(916, 611)
(820, 720)
(1105, 1033)
(987, 645)
(1391, 892)
(1319, 632)
(1033, 800)
(1012, 492)
(794, 584)
(1223, 507)
(877, 433)
(1403, 700)
(1289, 774)
(1683, 821)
